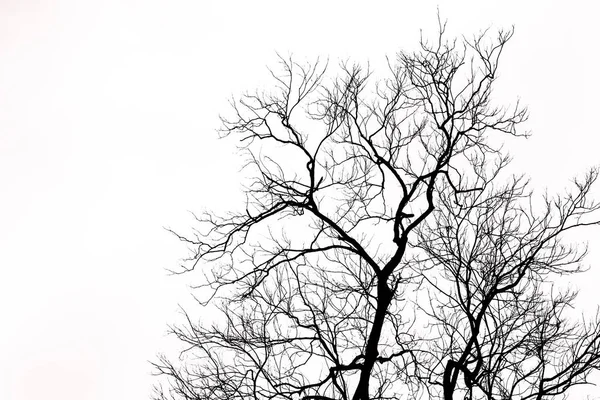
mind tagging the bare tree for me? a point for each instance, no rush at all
(499, 326)
(378, 255)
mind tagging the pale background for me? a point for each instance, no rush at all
(107, 118)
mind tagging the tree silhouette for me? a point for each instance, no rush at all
(384, 252)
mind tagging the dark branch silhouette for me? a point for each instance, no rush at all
(381, 253)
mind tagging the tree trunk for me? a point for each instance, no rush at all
(384, 298)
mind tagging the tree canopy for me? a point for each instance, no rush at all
(384, 252)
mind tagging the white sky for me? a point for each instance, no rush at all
(107, 118)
